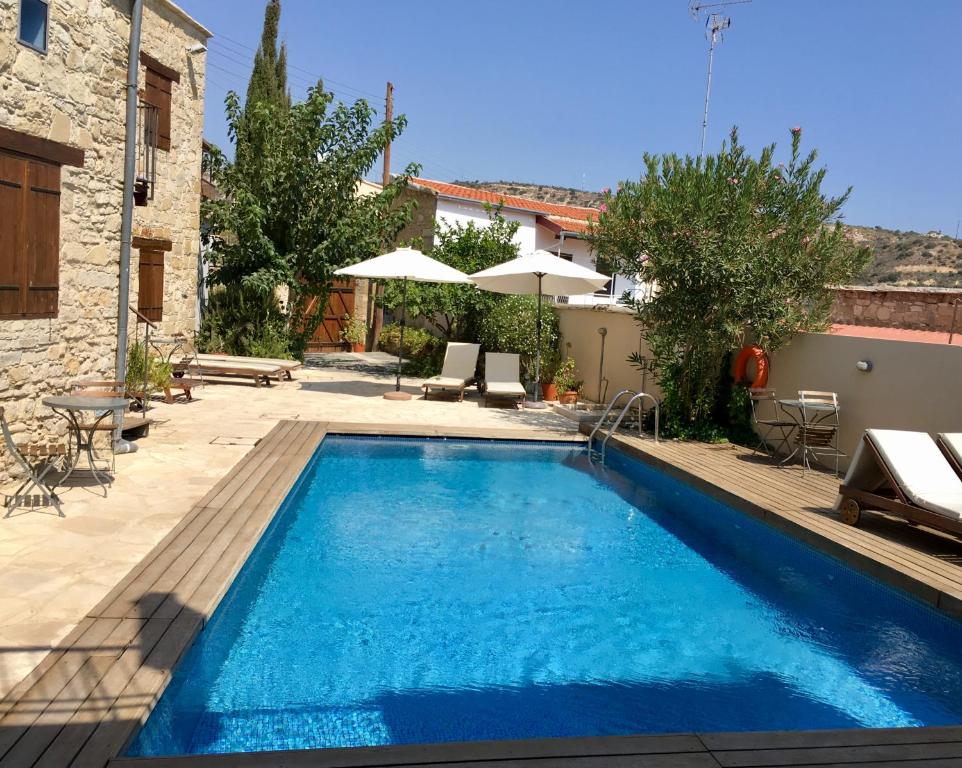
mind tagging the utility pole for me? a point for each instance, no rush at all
(375, 290)
(957, 222)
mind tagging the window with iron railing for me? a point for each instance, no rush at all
(148, 117)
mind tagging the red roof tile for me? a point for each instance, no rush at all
(509, 201)
(894, 334)
(559, 224)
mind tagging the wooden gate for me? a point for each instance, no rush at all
(340, 302)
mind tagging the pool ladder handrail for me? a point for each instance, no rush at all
(639, 396)
(601, 421)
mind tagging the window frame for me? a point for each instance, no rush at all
(165, 103)
(46, 27)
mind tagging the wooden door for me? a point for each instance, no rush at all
(340, 302)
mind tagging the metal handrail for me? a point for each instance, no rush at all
(614, 427)
(604, 416)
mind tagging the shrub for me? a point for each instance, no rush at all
(149, 367)
(423, 352)
(355, 330)
(238, 322)
(511, 326)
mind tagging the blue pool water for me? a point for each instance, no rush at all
(437, 590)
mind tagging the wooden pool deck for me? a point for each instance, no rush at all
(82, 705)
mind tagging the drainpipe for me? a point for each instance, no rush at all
(127, 217)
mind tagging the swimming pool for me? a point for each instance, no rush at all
(424, 590)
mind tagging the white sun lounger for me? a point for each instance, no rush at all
(502, 377)
(902, 473)
(460, 362)
(951, 445)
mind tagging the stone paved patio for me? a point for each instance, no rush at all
(56, 569)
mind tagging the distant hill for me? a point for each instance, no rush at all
(900, 258)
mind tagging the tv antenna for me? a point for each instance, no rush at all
(715, 26)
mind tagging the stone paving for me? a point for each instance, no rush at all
(56, 569)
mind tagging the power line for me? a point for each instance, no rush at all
(314, 75)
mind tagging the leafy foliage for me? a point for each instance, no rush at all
(355, 330)
(456, 311)
(141, 366)
(511, 326)
(288, 214)
(242, 322)
(268, 80)
(734, 245)
(423, 351)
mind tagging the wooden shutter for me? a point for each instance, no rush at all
(13, 178)
(157, 92)
(150, 292)
(29, 237)
(42, 228)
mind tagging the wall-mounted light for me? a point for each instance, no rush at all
(197, 48)
(864, 365)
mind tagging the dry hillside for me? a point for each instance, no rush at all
(900, 258)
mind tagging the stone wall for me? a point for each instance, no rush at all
(74, 94)
(923, 309)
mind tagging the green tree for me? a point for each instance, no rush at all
(456, 311)
(288, 213)
(268, 81)
(734, 246)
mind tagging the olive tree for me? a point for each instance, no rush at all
(733, 245)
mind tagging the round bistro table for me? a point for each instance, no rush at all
(71, 407)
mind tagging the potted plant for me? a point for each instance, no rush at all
(354, 333)
(550, 361)
(566, 383)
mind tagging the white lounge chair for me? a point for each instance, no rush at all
(502, 377)
(460, 362)
(951, 445)
(902, 473)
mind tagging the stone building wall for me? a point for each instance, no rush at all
(923, 309)
(74, 94)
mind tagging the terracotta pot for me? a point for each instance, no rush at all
(357, 347)
(549, 391)
(570, 397)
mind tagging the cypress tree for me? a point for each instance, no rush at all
(269, 77)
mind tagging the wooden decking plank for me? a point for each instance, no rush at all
(130, 600)
(188, 520)
(758, 758)
(103, 697)
(212, 577)
(848, 737)
(17, 692)
(138, 698)
(556, 750)
(48, 725)
(28, 708)
(235, 480)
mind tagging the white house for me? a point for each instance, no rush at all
(559, 229)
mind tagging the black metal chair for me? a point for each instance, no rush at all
(769, 423)
(37, 461)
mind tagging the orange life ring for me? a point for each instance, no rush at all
(761, 366)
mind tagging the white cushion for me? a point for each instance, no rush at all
(953, 443)
(921, 470)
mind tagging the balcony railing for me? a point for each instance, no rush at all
(148, 122)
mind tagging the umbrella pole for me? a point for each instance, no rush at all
(396, 393)
(404, 317)
(535, 402)
(537, 359)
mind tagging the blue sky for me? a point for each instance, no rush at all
(573, 93)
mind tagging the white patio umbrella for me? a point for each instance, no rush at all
(404, 264)
(539, 273)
